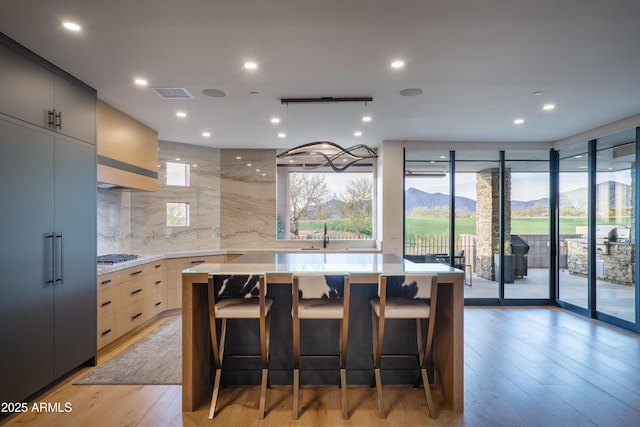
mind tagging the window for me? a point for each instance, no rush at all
(177, 214)
(178, 174)
(307, 200)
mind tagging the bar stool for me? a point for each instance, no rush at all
(405, 297)
(318, 296)
(238, 296)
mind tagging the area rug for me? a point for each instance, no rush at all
(156, 358)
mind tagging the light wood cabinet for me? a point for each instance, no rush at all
(127, 150)
(128, 298)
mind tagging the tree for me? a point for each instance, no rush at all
(357, 199)
(306, 191)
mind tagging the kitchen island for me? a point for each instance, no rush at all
(364, 270)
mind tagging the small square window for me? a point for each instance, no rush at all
(178, 174)
(177, 214)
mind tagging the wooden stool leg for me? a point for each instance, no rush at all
(214, 397)
(296, 390)
(264, 346)
(343, 384)
(377, 349)
(427, 392)
(263, 392)
(218, 361)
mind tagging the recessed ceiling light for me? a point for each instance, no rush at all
(282, 135)
(537, 93)
(366, 119)
(518, 121)
(250, 65)
(257, 170)
(578, 156)
(141, 82)
(548, 107)
(443, 157)
(357, 133)
(397, 64)
(275, 120)
(414, 91)
(206, 134)
(238, 158)
(249, 164)
(71, 26)
(181, 114)
(177, 159)
(264, 174)
(582, 167)
(214, 93)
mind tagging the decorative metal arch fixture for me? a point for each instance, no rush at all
(321, 154)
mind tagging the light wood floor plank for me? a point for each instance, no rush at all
(524, 366)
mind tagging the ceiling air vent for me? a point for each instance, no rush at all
(172, 93)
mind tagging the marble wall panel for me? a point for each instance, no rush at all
(232, 205)
(248, 198)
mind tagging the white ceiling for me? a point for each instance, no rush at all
(478, 63)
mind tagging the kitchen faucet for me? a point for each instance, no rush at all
(325, 239)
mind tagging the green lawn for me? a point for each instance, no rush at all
(440, 226)
(435, 226)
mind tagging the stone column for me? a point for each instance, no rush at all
(488, 219)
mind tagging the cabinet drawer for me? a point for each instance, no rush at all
(130, 317)
(106, 302)
(130, 292)
(155, 304)
(135, 272)
(106, 330)
(108, 280)
(154, 282)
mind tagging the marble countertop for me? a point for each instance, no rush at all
(144, 259)
(329, 263)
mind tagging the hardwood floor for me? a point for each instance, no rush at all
(523, 367)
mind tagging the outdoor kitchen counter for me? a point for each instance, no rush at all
(364, 270)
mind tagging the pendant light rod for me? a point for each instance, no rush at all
(324, 100)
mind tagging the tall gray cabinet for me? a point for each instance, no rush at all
(47, 223)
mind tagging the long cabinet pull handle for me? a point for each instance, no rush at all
(197, 262)
(106, 282)
(60, 279)
(59, 120)
(159, 265)
(51, 117)
(137, 291)
(135, 273)
(158, 282)
(158, 303)
(106, 303)
(106, 332)
(136, 316)
(51, 278)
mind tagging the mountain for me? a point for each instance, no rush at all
(517, 205)
(414, 198)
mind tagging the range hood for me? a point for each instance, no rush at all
(127, 151)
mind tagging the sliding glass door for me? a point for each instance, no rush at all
(573, 201)
(614, 263)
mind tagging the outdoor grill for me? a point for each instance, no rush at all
(519, 248)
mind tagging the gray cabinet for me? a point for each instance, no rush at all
(37, 92)
(47, 259)
(47, 223)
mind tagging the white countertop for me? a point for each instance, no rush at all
(144, 259)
